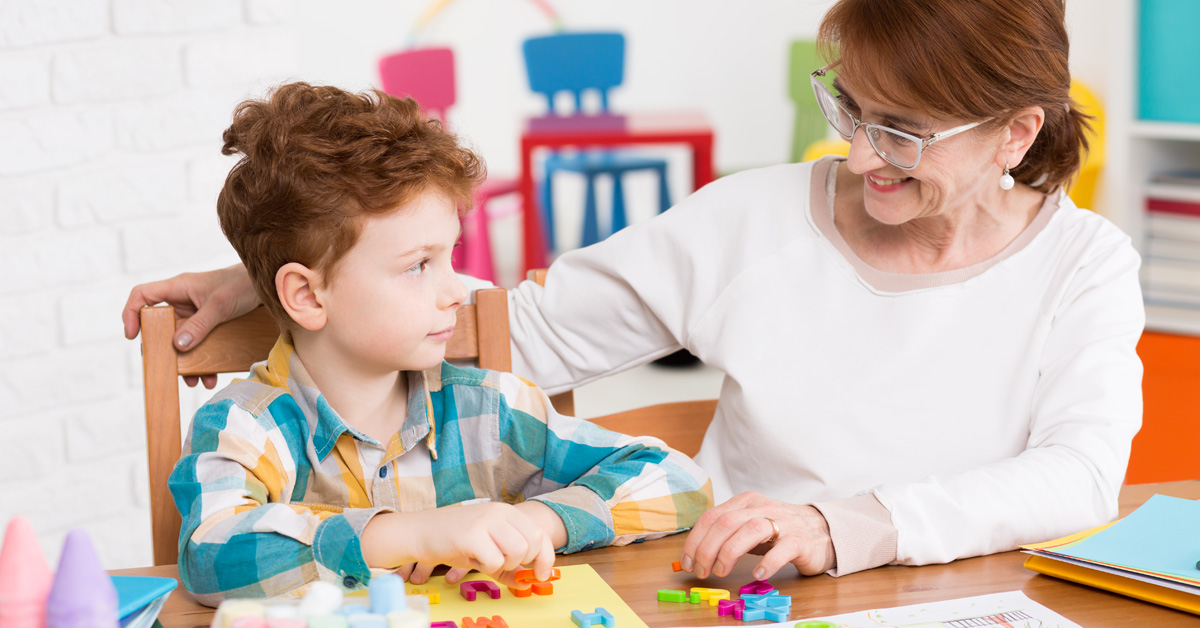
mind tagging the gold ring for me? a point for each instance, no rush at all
(774, 531)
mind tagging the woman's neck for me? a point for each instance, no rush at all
(944, 242)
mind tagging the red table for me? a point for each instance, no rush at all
(689, 128)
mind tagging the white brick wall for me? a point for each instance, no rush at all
(111, 114)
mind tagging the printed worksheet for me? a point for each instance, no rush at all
(997, 610)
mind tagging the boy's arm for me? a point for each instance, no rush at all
(607, 488)
(237, 539)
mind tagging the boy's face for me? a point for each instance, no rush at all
(392, 302)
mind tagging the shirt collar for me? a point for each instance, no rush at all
(283, 369)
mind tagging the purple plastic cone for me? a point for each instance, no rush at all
(83, 595)
(24, 578)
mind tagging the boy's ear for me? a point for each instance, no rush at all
(299, 290)
(1021, 133)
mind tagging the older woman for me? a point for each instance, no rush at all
(928, 349)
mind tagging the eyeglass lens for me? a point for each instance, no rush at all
(900, 150)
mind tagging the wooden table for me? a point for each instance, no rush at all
(636, 573)
(687, 128)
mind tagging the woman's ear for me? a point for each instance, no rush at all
(300, 292)
(1019, 136)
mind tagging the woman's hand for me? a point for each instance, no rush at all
(494, 538)
(742, 526)
(209, 299)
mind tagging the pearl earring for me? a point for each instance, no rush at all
(1006, 180)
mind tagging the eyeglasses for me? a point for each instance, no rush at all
(902, 150)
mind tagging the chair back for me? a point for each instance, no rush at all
(481, 334)
(809, 124)
(425, 74)
(575, 62)
(1083, 189)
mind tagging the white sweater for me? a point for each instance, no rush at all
(983, 408)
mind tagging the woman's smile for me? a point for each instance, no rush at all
(886, 185)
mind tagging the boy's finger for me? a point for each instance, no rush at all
(543, 564)
(455, 574)
(404, 570)
(512, 544)
(420, 573)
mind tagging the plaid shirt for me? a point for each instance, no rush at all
(275, 489)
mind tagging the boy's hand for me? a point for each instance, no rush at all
(494, 538)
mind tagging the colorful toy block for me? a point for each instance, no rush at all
(730, 607)
(483, 622)
(774, 607)
(470, 589)
(431, 593)
(538, 587)
(322, 598)
(25, 576)
(596, 618)
(675, 566)
(387, 594)
(82, 593)
(443, 624)
(525, 576)
(672, 595)
(772, 599)
(758, 587)
(698, 594)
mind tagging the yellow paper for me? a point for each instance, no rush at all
(580, 588)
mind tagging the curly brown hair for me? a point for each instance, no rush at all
(317, 161)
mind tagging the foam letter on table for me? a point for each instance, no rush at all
(587, 620)
(758, 587)
(540, 587)
(699, 594)
(672, 595)
(483, 622)
(431, 593)
(471, 588)
(728, 607)
(24, 577)
(443, 624)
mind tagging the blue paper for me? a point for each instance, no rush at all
(134, 592)
(1163, 536)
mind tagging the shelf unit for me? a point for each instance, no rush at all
(1137, 149)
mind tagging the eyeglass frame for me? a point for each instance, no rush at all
(925, 142)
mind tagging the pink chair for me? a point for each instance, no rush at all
(427, 76)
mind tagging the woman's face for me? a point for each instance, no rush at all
(953, 174)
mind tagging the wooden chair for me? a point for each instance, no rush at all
(481, 334)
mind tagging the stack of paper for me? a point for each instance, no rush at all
(1151, 555)
(140, 598)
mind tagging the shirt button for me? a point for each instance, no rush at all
(350, 582)
(383, 471)
(588, 546)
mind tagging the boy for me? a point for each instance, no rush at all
(355, 445)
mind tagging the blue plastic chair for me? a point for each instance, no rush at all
(576, 63)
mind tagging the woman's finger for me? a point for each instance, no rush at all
(704, 526)
(754, 531)
(708, 551)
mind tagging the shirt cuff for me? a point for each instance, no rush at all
(337, 547)
(586, 517)
(862, 532)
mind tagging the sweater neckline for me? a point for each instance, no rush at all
(822, 187)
